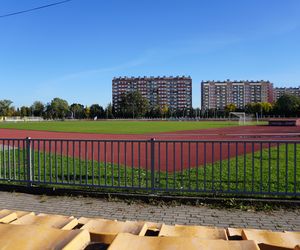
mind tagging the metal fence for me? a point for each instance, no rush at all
(269, 168)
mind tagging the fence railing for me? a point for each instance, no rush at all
(246, 167)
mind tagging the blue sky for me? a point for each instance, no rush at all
(74, 50)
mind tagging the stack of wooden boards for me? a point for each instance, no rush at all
(26, 230)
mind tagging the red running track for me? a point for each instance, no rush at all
(170, 156)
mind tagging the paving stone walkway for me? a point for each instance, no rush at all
(181, 214)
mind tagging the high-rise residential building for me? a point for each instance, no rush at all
(217, 94)
(173, 92)
(291, 91)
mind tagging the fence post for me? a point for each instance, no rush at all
(28, 161)
(152, 157)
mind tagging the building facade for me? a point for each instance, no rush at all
(173, 92)
(217, 94)
(281, 91)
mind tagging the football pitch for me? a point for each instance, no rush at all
(119, 127)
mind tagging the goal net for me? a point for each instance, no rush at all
(241, 117)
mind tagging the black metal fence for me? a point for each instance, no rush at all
(269, 168)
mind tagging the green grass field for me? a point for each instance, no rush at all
(244, 174)
(119, 127)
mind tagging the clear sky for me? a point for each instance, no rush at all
(74, 50)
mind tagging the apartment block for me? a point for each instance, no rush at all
(174, 92)
(281, 91)
(217, 94)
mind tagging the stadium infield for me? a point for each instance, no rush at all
(118, 126)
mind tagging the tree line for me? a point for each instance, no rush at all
(56, 109)
(134, 105)
(287, 105)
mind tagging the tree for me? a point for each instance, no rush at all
(4, 107)
(96, 111)
(165, 110)
(86, 112)
(133, 104)
(38, 108)
(58, 108)
(287, 105)
(77, 111)
(109, 111)
(25, 111)
(231, 107)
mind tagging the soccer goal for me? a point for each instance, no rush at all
(241, 116)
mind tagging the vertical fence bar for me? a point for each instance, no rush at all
(55, 157)
(125, 162)
(3, 161)
(261, 169)
(86, 164)
(152, 157)
(277, 167)
(80, 168)
(245, 152)
(197, 166)
(8, 160)
(174, 165)
(228, 166)
(99, 158)
(132, 164)
(68, 167)
(19, 161)
(146, 153)
(252, 165)
(2, 157)
(159, 162)
(204, 178)
(28, 160)
(62, 161)
(189, 163)
(181, 165)
(14, 159)
(139, 163)
(25, 163)
(32, 160)
(119, 180)
(44, 154)
(269, 167)
(213, 166)
(105, 165)
(295, 168)
(286, 167)
(221, 166)
(93, 176)
(74, 164)
(112, 162)
(236, 167)
(50, 160)
(39, 161)
(167, 167)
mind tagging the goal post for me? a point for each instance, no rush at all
(240, 115)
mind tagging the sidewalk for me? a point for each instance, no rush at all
(182, 214)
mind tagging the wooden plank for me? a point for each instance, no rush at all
(7, 216)
(84, 220)
(55, 221)
(273, 240)
(105, 231)
(18, 212)
(32, 237)
(207, 233)
(133, 242)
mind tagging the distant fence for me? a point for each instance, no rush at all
(21, 119)
(270, 168)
